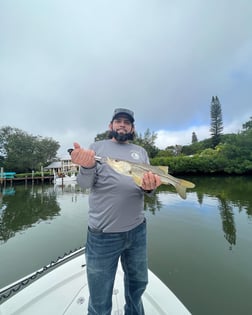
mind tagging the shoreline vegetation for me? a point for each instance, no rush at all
(222, 154)
(207, 165)
(178, 166)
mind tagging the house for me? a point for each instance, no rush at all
(62, 166)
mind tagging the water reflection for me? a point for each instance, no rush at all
(24, 206)
(231, 192)
(152, 203)
(7, 191)
(228, 193)
(236, 191)
(228, 223)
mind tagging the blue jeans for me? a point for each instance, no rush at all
(103, 251)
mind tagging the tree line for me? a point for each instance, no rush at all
(22, 152)
(218, 154)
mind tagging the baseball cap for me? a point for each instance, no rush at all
(124, 111)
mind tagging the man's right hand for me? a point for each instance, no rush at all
(82, 157)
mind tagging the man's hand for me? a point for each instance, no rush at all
(150, 181)
(83, 157)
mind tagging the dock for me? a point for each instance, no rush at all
(26, 180)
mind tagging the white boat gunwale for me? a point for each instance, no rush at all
(14, 287)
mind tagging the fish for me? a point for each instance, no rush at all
(137, 170)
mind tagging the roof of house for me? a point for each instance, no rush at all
(56, 164)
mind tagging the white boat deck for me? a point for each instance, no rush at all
(64, 290)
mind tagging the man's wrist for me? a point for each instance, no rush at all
(148, 191)
(88, 168)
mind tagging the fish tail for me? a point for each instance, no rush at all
(181, 190)
(169, 179)
(186, 183)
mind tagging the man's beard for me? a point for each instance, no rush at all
(121, 137)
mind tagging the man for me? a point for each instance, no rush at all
(116, 224)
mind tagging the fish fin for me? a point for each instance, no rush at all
(137, 180)
(163, 169)
(181, 190)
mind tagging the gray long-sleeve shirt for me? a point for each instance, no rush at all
(115, 202)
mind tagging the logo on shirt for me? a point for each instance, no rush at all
(135, 155)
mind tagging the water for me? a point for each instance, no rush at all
(201, 247)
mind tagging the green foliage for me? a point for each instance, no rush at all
(247, 125)
(194, 137)
(22, 152)
(168, 152)
(102, 136)
(147, 141)
(216, 121)
(207, 163)
(209, 153)
(197, 147)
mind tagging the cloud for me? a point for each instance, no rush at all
(66, 65)
(167, 138)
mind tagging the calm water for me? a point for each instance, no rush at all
(200, 247)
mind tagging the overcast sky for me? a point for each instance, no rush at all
(66, 65)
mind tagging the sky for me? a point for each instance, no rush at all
(65, 65)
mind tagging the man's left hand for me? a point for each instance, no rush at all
(150, 181)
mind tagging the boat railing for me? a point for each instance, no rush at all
(12, 289)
